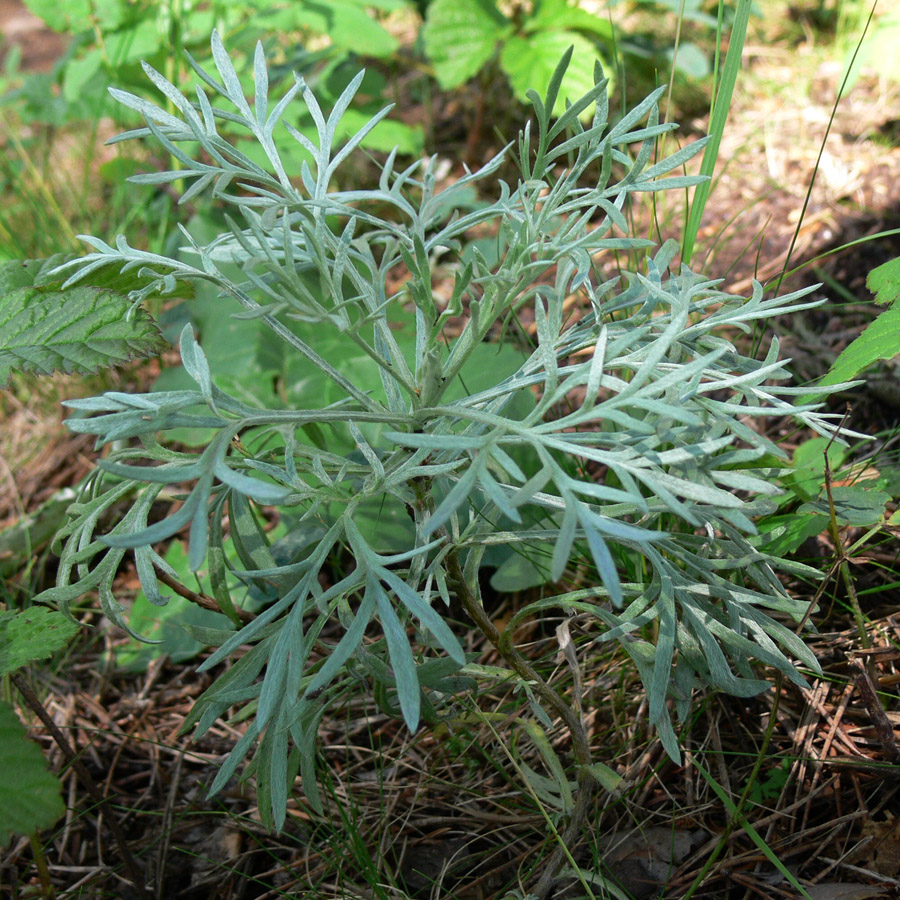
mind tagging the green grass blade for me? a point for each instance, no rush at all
(752, 833)
(718, 118)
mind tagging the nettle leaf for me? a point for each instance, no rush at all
(31, 634)
(78, 330)
(884, 282)
(530, 62)
(348, 24)
(560, 15)
(78, 15)
(30, 795)
(879, 339)
(461, 36)
(877, 342)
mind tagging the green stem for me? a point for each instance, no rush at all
(422, 508)
(40, 863)
(738, 817)
(587, 785)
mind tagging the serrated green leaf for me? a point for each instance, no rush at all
(884, 282)
(29, 272)
(530, 61)
(78, 15)
(559, 15)
(42, 273)
(79, 330)
(461, 36)
(351, 26)
(30, 795)
(879, 341)
(34, 633)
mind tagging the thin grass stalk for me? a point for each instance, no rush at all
(812, 180)
(718, 118)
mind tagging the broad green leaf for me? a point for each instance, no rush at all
(530, 62)
(519, 572)
(29, 273)
(461, 36)
(75, 16)
(351, 26)
(42, 273)
(691, 60)
(30, 795)
(34, 633)
(808, 466)
(133, 43)
(169, 624)
(386, 135)
(853, 505)
(561, 15)
(385, 524)
(884, 282)
(25, 537)
(80, 330)
(690, 11)
(608, 779)
(878, 51)
(80, 71)
(782, 535)
(880, 340)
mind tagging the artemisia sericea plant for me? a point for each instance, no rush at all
(625, 437)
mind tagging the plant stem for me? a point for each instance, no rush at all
(40, 863)
(471, 602)
(587, 785)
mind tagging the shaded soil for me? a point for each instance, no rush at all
(38, 45)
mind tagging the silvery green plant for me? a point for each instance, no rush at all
(626, 437)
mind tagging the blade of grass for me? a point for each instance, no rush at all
(486, 718)
(812, 180)
(736, 810)
(718, 116)
(752, 833)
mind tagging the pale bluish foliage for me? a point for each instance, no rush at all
(646, 390)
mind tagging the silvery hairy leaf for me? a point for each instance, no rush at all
(350, 517)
